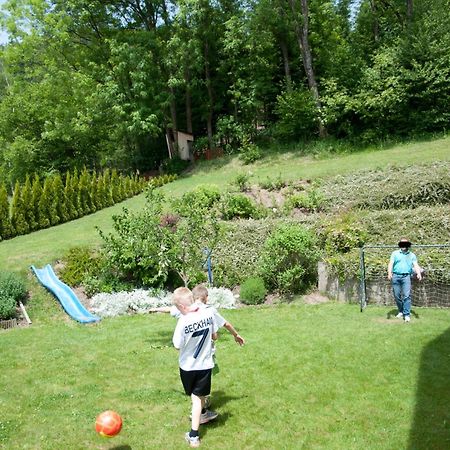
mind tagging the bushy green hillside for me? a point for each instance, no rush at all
(366, 197)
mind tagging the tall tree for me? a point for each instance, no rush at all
(301, 27)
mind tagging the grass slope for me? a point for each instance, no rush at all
(46, 246)
(310, 377)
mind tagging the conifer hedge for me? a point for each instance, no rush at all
(41, 203)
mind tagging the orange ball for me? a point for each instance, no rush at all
(108, 424)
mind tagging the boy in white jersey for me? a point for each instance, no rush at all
(200, 293)
(194, 332)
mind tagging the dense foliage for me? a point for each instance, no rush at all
(12, 290)
(100, 84)
(46, 203)
(253, 291)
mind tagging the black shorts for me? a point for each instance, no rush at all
(197, 382)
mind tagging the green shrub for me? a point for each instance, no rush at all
(253, 291)
(12, 290)
(203, 197)
(7, 307)
(310, 201)
(79, 263)
(239, 206)
(271, 184)
(6, 230)
(250, 153)
(238, 251)
(161, 180)
(18, 221)
(242, 181)
(137, 248)
(343, 233)
(105, 282)
(289, 259)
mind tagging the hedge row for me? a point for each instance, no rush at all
(37, 204)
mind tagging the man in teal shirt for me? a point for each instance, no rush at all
(401, 266)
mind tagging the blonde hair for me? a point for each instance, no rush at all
(182, 296)
(200, 293)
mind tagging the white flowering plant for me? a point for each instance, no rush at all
(140, 301)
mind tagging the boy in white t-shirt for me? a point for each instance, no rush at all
(195, 330)
(200, 293)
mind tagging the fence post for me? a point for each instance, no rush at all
(362, 284)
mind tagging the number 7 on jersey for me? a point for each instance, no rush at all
(203, 333)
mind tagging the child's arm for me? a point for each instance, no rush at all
(237, 337)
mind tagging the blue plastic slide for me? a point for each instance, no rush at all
(64, 294)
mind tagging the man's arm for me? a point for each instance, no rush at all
(390, 266)
(418, 270)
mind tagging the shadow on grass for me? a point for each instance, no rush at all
(431, 423)
(393, 312)
(121, 447)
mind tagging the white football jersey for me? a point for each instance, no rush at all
(220, 321)
(193, 337)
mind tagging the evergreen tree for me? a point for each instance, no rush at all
(76, 195)
(59, 199)
(95, 192)
(107, 186)
(85, 192)
(69, 195)
(6, 230)
(45, 205)
(28, 206)
(115, 186)
(36, 192)
(20, 226)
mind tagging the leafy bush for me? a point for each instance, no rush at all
(250, 153)
(239, 206)
(242, 181)
(161, 180)
(203, 197)
(342, 234)
(297, 115)
(137, 248)
(273, 184)
(78, 263)
(253, 291)
(12, 290)
(105, 281)
(309, 201)
(289, 258)
(239, 250)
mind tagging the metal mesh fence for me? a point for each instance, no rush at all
(433, 290)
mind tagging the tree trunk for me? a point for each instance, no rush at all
(302, 33)
(187, 78)
(409, 10)
(210, 97)
(287, 68)
(173, 116)
(375, 26)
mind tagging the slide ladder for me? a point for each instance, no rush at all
(64, 294)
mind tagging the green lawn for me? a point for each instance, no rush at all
(310, 377)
